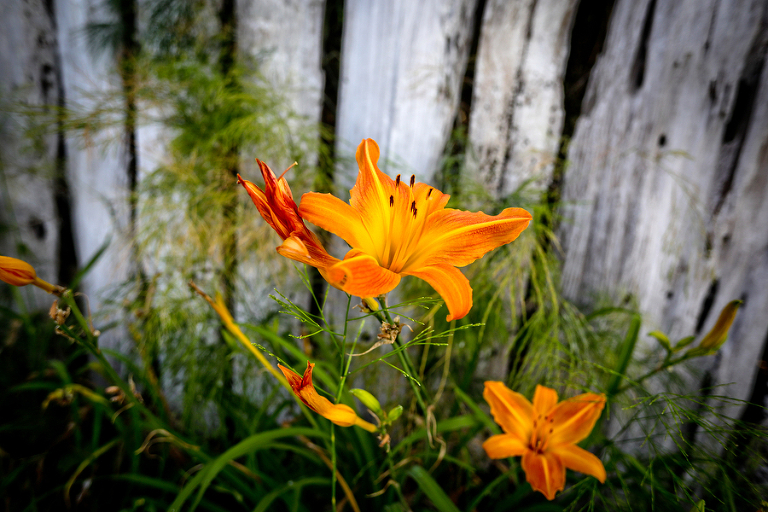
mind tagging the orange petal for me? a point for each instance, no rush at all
(458, 238)
(360, 274)
(544, 399)
(334, 215)
(430, 196)
(340, 414)
(452, 286)
(303, 246)
(503, 446)
(511, 410)
(293, 248)
(579, 459)
(545, 472)
(275, 203)
(574, 418)
(370, 195)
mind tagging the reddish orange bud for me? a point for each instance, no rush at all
(16, 272)
(20, 273)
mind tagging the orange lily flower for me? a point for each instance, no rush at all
(544, 433)
(397, 229)
(276, 205)
(340, 414)
(20, 273)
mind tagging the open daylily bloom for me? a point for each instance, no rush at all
(276, 205)
(340, 414)
(544, 433)
(20, 273)
(400, 229)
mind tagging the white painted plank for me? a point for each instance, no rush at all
(28, 80)
(96, 165)
(649, 163)
(402, 67)
(517, 106)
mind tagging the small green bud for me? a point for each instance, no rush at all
(368, 400)
(662, 339)
(395, 413)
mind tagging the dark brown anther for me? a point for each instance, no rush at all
(429, 193)
(397, 181)
(391, 201)
(413, 180)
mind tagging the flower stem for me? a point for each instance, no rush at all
(405, 360)
(333, 466)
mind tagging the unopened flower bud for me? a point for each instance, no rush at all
(368, 400)
(16, 272)
(395, 413)
(715, 338)
(20, 273)
(371, 304)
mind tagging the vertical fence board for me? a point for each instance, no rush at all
(517, 106)
(96, 161)
(401, 71)
(667, 174)
(27, 165)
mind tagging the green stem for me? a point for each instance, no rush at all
(666, 364)
(345, 370)
(405, 360)
(392, 477)
(333, 466)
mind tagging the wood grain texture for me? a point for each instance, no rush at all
(285, 39)
(401, 71)
(27, 165)
(96, 161)
(517, 106)
(667, 185)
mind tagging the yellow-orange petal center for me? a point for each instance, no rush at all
(542, 429)
(408, 208)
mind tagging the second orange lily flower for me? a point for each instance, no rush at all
(544, 433)
(394, 230)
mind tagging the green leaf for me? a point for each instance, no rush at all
(296, 487)
(627, 348)
(683, 343)
(434, 492)
(256, 442)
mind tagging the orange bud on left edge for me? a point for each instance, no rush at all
(340, 414)
(16, 272)
(20, 273)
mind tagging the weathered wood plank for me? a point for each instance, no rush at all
(401, 71)
(28, 80)
(286, 38)
(517, 106)
(668, 174)
(96, 162)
